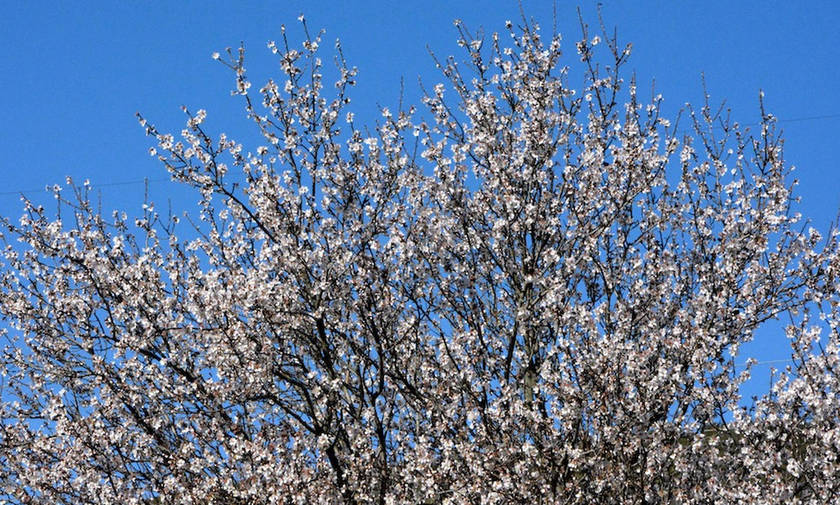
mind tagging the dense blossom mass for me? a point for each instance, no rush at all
(521, 293)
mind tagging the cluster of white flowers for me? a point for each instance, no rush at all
(533, 296)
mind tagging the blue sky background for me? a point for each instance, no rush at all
(73, 74)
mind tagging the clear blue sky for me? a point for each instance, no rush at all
(72, 75)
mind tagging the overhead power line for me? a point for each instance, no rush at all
(163, 179)
(809, 118)
(766, 362)
(103, 185)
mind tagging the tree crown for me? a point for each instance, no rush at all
(533, 293)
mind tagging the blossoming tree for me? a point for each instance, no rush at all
(523, 293)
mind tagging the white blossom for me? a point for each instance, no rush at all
(540, 295)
